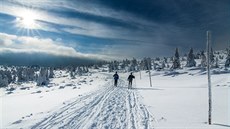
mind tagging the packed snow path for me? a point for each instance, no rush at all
(108, 108)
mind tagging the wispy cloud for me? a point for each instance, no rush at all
(133, 28)
(81, 26)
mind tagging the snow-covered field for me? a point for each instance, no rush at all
(177, 99)
(181, 101)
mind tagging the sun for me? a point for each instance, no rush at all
(28, 20)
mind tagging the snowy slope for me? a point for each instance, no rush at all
(178, 99)
(106, 108)
(29, 100)
(181, 101)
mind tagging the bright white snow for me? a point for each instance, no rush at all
(178, 99)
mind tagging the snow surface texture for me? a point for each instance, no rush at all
(106, 108)
(177, 100)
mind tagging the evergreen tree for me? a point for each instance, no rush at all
(79, 71)
(3, 80)
(87, 69)
(7, 75)
(51, 72)
(217, 63)
(133, 66)
(142, 65)
(42, 77)
(147, 63)
(14, 76)
(203, 59)
(212, 57)
(19, 75)
(123, 65)
(163, 65)
(72, 73)
(116, 65)
(176, 60)
(165, 60)
(227, 62)
(191, 59)
(30, 73)
(111, 67)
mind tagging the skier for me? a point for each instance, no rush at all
(116, 77)
(130, 79)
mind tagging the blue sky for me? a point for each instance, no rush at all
(106, 29)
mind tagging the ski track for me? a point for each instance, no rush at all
(108, 108)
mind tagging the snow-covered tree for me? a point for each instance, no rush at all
(111, 67)
(6, 75)
(176, 60)
(216, 63)
(95, 67)
(147, 64)
(165, 60)
(115, 64)
(51, 72)
(79, 71)
(30, 74)
(133, 66)
(123, 65)
(203, 60)
(14, 75)
(212, 57)
(191, 59)
(47, 74)
(141, 65)
(227, 62)
(163, 65)
(157, 59)
(20, 74)
(85, 69)
(25, 74)
(42, 77)
(3, 81)
(14, 78)
(72, 73)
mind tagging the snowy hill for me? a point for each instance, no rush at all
(177, 99)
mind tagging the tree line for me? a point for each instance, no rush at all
(42, 75)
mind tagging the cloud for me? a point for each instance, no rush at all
(94, 8)
(139, 51)
(42, 59)
(129, 28)
(117, 27)
(121, 25)
(24, 44)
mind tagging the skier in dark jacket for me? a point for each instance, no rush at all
(130, 79)
(116, 77)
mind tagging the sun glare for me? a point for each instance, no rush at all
(27, 22)
(27, 19)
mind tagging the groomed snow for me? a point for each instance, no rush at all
(177, 99)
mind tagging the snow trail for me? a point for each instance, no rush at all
(108, 108)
